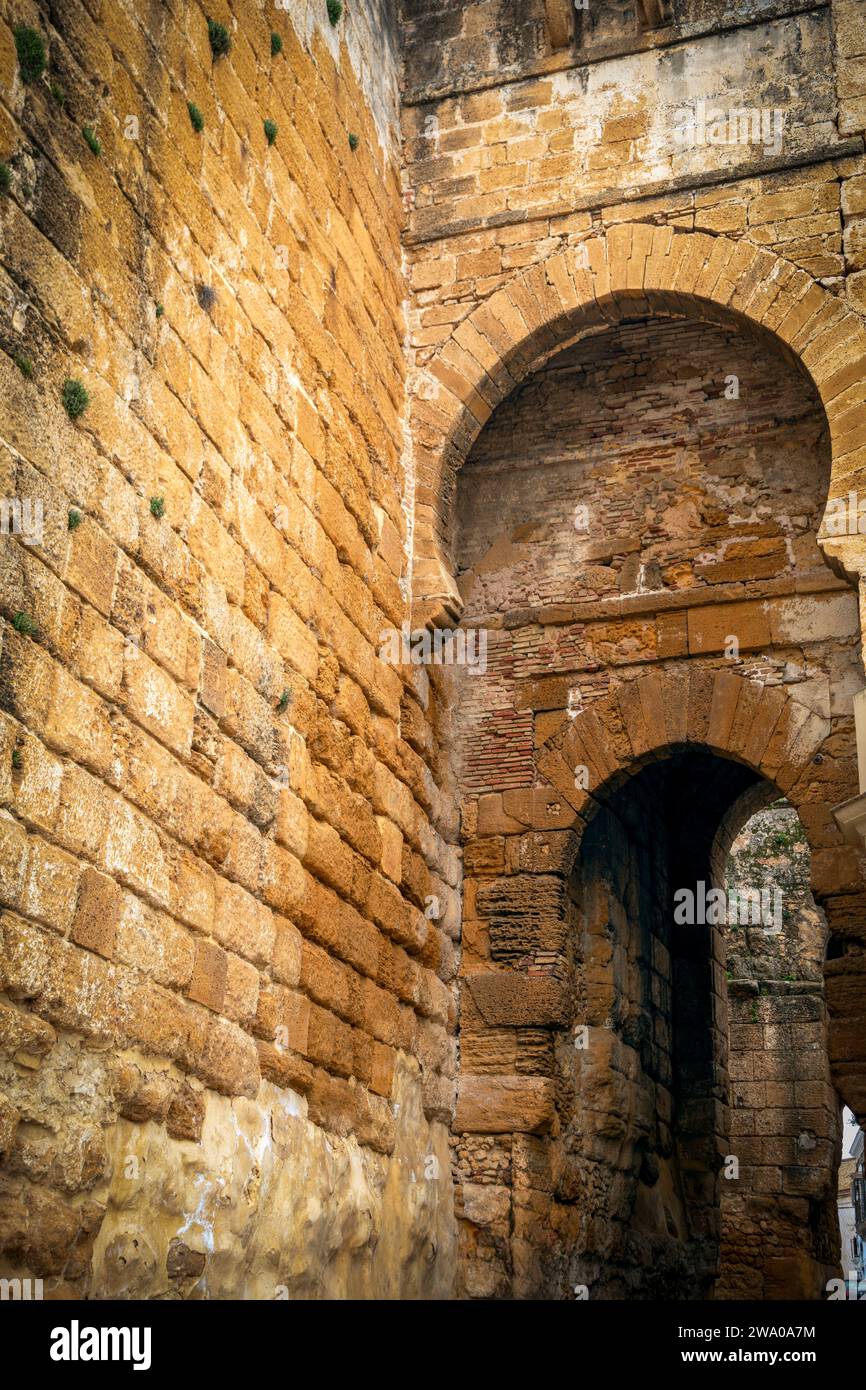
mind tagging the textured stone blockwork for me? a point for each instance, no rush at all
(324, 974)
(630, 617)
(223, 1007)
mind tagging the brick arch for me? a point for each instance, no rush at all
(650, 270)
(769, 730)
(544, 892)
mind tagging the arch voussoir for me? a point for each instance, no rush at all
(723, 708)
(675, 693)
(764, 725)
(768, 729)
(584, 745)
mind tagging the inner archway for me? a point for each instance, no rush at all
(699, 1126)
(628, 270)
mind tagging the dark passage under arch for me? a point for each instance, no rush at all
(652, 1153)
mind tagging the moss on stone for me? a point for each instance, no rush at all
(218, 37)
(30, 48)
(23, 623)
(91, 139)
(75, 397)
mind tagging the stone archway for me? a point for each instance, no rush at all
(523, 831)
(556, 1224)
(645, 269)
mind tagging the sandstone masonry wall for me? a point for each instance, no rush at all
(549, 197)
(229, 862)
(504, 168)
(779, 1218)
(225, 1062)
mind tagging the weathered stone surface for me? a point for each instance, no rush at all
(515, 1000)
(218, 834)
(235, 839)
(503, 1104)
(524, 914)
(293, 1192)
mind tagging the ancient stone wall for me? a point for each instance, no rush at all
(779, 1210)
(506, 170)
(675, 465)
(225, 1062)
(264, 285)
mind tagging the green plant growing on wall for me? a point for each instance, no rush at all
(57, 93)
(157, 507)
(73, 519)
(30, 48)
(75, 398)
(24, 365)
(284, 701)
(335, 11)
(23, 623)
(276, 45)
(218, 37)
(196, 119)
(16, 759)
(354, 142)
(91, 140)
(270, 131)
(159, 309)
(786, 839)
(5, 178)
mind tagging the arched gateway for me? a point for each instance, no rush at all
(652, 424)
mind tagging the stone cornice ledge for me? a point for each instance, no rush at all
(850, 816)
